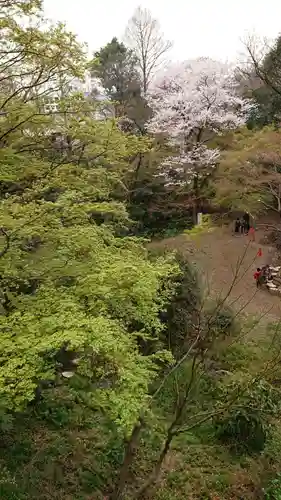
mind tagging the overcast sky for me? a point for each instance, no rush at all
(211, 28)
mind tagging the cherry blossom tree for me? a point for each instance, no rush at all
(192, 102)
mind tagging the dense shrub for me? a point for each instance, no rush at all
(223, 321)
(182, 310)
(247, 426)
(243, 430)
(157, 209)
(273, 490)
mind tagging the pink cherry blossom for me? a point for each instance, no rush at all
(191, 102)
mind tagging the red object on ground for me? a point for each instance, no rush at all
(259, 254)
(257, 275)
(252, 233)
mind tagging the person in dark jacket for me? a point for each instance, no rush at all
(237, 226)
(246, 222)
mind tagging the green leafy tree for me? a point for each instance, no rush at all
(116, 68)
(255, 157)
(266, 92)
(159, 209)
(57, 227)
(69, 283)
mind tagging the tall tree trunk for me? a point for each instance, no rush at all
(194, 213)
(170, 433)
(157, 469)
(127, 462)
(195, 200)
(278, 198)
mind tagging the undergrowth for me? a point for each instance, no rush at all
(62, 450)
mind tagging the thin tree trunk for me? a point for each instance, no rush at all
(278, 198)
(127, 462)
(157, 469)
(195, 201)
(170, 434)
(194, 213)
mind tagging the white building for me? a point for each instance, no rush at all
(89, 87)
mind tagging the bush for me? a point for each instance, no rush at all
(222, 321)
(247, 426)
(243, 430)
(158, 210)
(183, 307)
(273, 491)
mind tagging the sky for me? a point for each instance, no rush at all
(213, 28)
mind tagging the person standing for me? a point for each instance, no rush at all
(258, 277)
(237, 226)
(252, 231)
(246, 220)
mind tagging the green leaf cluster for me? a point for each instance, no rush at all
(75, 296)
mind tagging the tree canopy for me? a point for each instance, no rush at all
(264, 66)
(256, 158)
(68, 280)
(115, 66)
(191, 103)
(112, 355)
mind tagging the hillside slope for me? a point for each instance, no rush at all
(216, 255)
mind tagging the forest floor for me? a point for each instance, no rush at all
(63, 450)
(226, 264)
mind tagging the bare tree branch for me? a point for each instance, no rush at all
(257, 58)
(144, 37)
(7, 242)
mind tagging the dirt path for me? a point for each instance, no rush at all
(216, 255)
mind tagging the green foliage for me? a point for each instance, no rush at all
(267, 110)
(247, 425)
(159, 210)
(267, 96)
(222, 321)
(76, 297)
(244, 430)
(183, 308)
(273, 490)
(50, 454)
(88, 288)
(116, 68)
(254, 156)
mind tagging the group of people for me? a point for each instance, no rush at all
(263, 275)
(242, 226)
